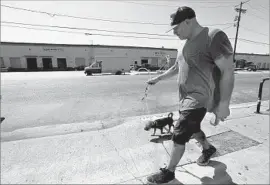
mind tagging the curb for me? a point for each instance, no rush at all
(71, 128)
(251, 104)
(251, 72)
(127, 73)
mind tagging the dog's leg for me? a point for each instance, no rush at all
(169, 130)
(161, 131)
(154, 132)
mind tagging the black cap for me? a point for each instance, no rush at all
(180, 15)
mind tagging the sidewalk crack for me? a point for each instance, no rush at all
(126, 164)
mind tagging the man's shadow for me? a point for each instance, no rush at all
(220, 174)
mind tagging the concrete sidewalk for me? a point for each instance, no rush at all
(126, 154)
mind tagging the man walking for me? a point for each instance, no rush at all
(206, 80)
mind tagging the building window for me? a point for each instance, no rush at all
(144, 61)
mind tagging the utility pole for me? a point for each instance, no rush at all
(240, 10)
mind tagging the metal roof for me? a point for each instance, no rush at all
(82, 45)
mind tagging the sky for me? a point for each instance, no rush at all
(153, 16)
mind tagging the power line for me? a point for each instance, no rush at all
(43, 29)
(242, 3)
(206, 1)
(258, 17)
(83, 33)
(192, 2)
(97, 19)
(84, 18)
(215, 2)
(89, 29)
(250, 41)
(127, 36)
(246, 2)
(159, 5)
(255, 31)
(254, 41)
(263, 7)
(254, 7)
(227, 27)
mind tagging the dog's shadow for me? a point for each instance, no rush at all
(162, 138)
(220, 174)
(175, 181)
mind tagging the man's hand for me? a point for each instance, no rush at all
(222, 111)
(153, 81)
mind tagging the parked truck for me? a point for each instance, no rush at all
(108, 64)
(242, 64)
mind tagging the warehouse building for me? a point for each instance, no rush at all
(47, 57)
(35, 57)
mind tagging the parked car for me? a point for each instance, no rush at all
(143, 70)
(146, 66)
(108, 64)
(251, 67)
(140, 71)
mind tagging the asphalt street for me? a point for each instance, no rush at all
(51, 98)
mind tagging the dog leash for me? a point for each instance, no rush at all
(146, 93)
(147, 90)
(148, 86)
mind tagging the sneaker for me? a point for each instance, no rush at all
(162, 177)
(206, 155)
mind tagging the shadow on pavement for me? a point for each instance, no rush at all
(162, 138)
(175, 181)
(220, 174)
(2, 119)
(266, 112)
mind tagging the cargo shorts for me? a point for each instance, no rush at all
(189, 122)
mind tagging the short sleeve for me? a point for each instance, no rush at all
(220, 45)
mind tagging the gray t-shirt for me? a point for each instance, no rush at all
(198, 75)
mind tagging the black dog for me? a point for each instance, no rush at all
(160, 124)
